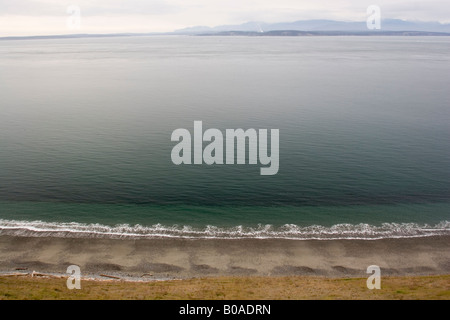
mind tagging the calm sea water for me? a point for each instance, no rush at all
(85, 127)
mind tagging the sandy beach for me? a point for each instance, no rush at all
(186, 258)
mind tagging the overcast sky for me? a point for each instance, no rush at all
(43, 17)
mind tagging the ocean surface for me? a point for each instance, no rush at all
(86, 124)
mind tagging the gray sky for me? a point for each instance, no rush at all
(43, 17)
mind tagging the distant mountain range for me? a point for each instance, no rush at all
(322, 25)
(392, 27)
(297, 33)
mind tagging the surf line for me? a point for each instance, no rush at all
(235, 139)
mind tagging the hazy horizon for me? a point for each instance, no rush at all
(424, 26)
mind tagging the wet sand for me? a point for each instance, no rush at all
(183, 258)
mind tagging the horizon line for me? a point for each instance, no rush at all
(185, 30)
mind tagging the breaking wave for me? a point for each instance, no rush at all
(287, 231)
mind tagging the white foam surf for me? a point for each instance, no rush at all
(287, 231)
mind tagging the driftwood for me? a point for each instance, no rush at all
(32, 274)
(17, 274)
(37, 274)
(147, 275)
(107, 276)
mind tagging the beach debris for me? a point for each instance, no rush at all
(147, 275)
(108, 276)
(21, 268)
(37, 274)
(16, 274)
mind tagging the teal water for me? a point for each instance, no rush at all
(85, 132)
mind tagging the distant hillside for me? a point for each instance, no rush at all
(296, 33)
(297, 28)
(321, 25)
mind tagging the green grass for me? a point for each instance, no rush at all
(419, 287)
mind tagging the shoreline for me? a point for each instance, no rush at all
(164, 259)
(339, 231)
